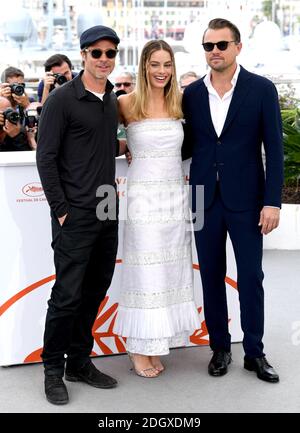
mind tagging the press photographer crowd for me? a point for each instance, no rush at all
(19, 112)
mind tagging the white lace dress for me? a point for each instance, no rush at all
(156, 308)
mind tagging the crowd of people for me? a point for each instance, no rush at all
(219, 121)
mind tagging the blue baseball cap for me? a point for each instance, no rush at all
(97, 33)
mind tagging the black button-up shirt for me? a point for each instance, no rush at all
(77, 145)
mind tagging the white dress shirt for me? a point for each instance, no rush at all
(219, 106)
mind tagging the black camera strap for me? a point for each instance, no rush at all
(21, 113)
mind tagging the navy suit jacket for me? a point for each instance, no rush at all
(236, 155)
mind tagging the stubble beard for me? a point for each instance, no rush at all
(219, 67)
(222, 67)
(102, 75)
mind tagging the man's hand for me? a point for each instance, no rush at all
(123, 149)
(5, 90)
(22, 100)
(61, 220)
(128, 157)
(122, 146)
(11, 129)
(49, 80)
(269, 219)
(31, 134)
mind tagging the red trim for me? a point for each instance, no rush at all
(34, 286)
(24, 292)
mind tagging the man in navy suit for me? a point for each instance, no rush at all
(229, 114)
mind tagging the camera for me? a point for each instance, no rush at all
(59, 79)
(17, 88)
(32, 118)
(11, 115)
(120, 92)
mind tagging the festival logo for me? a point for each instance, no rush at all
(33, 189)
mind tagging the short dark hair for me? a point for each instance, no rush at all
(221, 23)
(57, 60)
(10, 72)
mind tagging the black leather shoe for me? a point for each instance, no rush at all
(91, 375)
(55, 390)
(218, 365)
(263, 369)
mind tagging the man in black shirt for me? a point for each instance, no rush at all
(77, 145)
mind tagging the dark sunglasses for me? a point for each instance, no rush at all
(222, 45)
(125, 84)
(96, 53)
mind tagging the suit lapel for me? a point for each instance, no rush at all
(205, 109)
(240, 92)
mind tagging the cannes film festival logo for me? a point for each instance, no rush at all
(33, 189)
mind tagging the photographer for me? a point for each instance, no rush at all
(125, 81)
(13, 87)
(32, 115)
(58, 70)
(13, 136)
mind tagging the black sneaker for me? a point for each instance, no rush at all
(55, 390)
(91, 375)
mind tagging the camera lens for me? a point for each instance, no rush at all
(17, 88)
(11, 115)
(60, 79)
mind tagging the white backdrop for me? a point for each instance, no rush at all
(27, 272)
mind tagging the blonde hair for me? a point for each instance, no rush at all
(141, 94)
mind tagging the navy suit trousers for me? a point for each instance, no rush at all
(244, 232)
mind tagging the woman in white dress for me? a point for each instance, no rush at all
(156, 309)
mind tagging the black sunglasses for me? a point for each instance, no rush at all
(96, 53)
(222, 45)
(125, 84)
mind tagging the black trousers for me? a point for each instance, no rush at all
(246, 238)
(85, 251)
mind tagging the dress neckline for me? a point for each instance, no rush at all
(151, 119)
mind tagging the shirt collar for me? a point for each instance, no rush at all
(80, 89)
(207, 78)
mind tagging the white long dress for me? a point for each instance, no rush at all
(156, 308)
